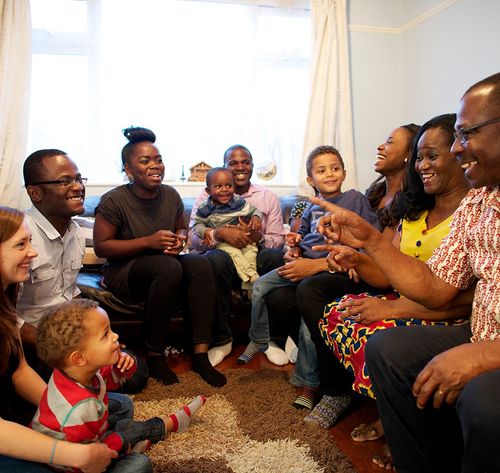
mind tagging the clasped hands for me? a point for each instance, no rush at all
(242, 234)
(169, 242)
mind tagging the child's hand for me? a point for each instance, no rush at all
(292, 254)
(342, 258)
(253, 228)
(293, 239)
(125, 362)
(255, 224)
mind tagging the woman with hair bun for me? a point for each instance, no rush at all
(140, 229)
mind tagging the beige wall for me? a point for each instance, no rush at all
(411, 60)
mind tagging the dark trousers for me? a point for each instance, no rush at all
(225, 276)
(165, 283)
(308, 300)
(459, 438)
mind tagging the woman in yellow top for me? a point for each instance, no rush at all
(433, 189)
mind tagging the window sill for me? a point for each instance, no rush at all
(189, 189)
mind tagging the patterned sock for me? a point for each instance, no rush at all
(328, 411)
(182, 418)
(306, 399)
(201, 365)
(250, 351)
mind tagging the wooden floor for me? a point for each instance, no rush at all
(364, 410)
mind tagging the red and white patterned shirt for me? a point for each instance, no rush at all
(71, 411)
(472, 251)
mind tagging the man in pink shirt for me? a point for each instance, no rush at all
(270, 241)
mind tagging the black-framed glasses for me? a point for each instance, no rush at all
(63, 182)
(461, 133)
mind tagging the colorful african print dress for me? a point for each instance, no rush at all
(347, 338)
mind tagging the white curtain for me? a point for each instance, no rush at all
(329, 120)
(15, 71)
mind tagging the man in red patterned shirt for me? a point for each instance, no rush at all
(437, 388)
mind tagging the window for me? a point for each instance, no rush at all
(203, 75)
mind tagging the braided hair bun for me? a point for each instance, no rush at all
(136, 134)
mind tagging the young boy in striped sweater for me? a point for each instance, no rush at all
(77, 341)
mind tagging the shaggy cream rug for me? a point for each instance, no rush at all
(248, 426)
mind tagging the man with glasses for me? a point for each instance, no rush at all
(57, 192)
(438, 387)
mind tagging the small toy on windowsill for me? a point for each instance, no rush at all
(199, 172)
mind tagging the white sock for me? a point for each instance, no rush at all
(291, 350)
(217, 354)
(276, 355)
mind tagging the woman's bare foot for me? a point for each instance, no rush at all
(385, 459)
(364, 432)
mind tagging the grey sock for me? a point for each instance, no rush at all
(328, 411)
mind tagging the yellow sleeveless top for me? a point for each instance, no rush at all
(417, 240)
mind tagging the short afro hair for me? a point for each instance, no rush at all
(62, 330)
(318, 151)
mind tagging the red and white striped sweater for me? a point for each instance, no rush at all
(71, 411)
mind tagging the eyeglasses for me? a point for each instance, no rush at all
(461, 134)
(63, 182)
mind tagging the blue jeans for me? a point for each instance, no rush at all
(134, 430)
(306, 371)
(121, 419)
(120, 406)
(225, 275)
(259, 324)
(133, 463)
(307, 303)
(13, 465)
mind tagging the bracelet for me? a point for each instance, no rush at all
(53, 453)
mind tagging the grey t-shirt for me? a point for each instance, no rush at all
(134, 218)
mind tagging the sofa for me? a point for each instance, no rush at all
(126, 319)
